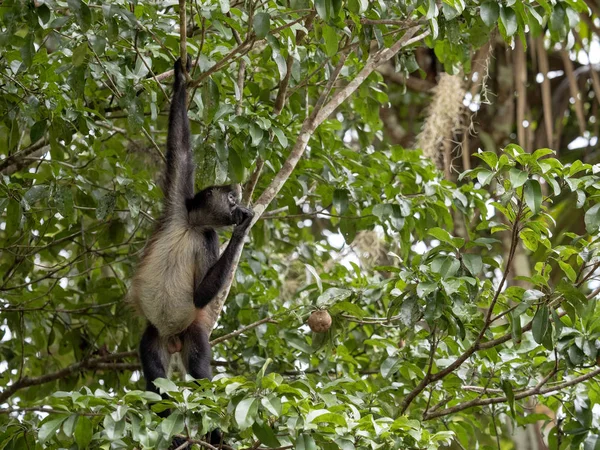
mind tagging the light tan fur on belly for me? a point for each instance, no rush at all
(163, 287)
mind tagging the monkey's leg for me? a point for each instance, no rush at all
(197, 355)
(154, 357)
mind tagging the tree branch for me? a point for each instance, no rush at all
(488, 320)
(108, 362)
(15, 159)
(537, 390)
(241, 330)
(308, 128)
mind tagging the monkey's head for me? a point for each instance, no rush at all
(215, 206)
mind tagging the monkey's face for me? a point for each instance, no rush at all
(217, 205)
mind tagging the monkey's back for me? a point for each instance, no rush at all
(163, 286)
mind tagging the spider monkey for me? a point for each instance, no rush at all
(181, 271)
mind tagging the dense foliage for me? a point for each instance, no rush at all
(435, 341)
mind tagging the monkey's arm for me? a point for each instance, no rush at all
(179, 184)
(214, 279)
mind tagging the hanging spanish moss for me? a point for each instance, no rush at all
(444, 119)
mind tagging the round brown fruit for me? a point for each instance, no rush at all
(319, 321)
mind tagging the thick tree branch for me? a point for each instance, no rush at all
(15, 159)
(308, 128)
(69, 370)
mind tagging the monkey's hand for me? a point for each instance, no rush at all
(179, 76)
(242, 217)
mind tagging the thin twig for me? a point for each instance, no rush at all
(537, 390)
(241, 330)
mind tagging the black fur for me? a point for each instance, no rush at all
(194, 217)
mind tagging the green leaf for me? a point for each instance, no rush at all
(568, 270)
(172, 425)
(540, 323)
(316, 276)
(558, 20)
(325, 416)
(63, 198)
(473, 263)
(281, 137)
(28, 50)
(510, 396)
(79, 54)
(332, 296)
(508, 18)
(49, 428)
(592, 219)
(517, 177)
(272, 404)
(516, 330)
(305, 442)
(106, 205)
(261, 24)
(114, 429)
(83, 432)
(340, 200)
(489, 12)
(348, 229)
(440, 234)
(390, 366)
(236, 167)
(165, 385)
(449, 12)
(330, 35)
(210, 99)
(245, 412)
(225, 6)
(484, 177)
(490, 158)
(82, 14)
(265, 435)
(38, 130)
(34, 195)
(256, 133)
(533, 195)
(13, 217)
(44, 13)
(323, 7)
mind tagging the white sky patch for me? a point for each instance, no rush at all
(420, 248)
(350, 136)
(336, 240)
(581, 142)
